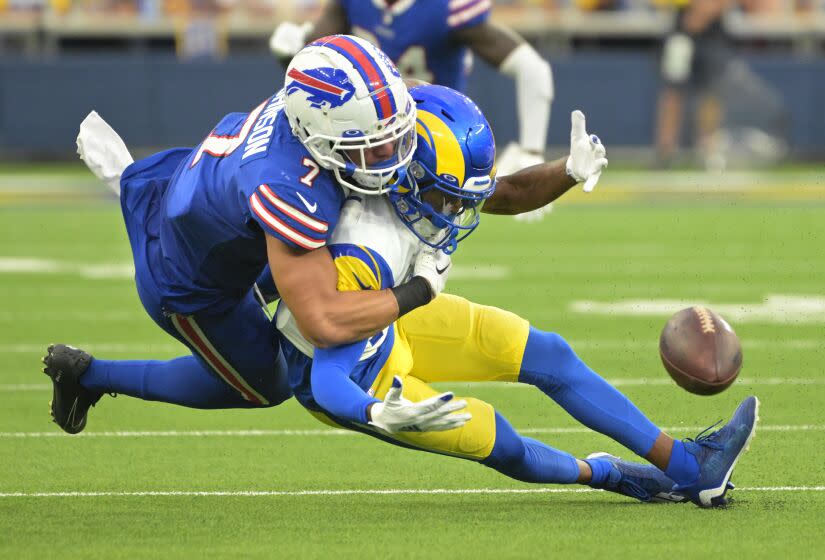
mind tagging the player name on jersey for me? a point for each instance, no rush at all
(258, 140)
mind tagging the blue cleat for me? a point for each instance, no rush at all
(643, 482)
(717, 454)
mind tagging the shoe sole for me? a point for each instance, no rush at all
(715, 497)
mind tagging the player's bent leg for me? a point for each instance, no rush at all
(453, 339)
(236, 363)
(489, 439)
(184, 381)
(529, 460)
(550, 364)
(702, 469)
(242, 349)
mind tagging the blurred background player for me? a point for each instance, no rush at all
(432, 40)
(699, 64)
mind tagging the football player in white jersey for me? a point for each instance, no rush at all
(380, 386)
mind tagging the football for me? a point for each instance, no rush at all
(700, 351)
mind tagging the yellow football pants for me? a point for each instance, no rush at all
(453, 339)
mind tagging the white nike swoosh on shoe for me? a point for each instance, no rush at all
(311, 207)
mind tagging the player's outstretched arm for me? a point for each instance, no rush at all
(307, 282)
(530, 188)
(538, 185)
(504, 49)
(288, 38)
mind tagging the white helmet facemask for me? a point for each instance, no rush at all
(349, 107)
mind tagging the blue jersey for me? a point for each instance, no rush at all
(372, 250)
(417, 34)
(250, 177)
(359, 268)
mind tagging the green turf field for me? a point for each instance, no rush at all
(277, 484)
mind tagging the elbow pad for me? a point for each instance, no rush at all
(677, 58)
(534, 94)
(525, 64)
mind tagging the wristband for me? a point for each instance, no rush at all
(412, 294)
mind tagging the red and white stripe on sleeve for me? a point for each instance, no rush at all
(464, 12)
(286, 220)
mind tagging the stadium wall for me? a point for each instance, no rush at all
(158, 101)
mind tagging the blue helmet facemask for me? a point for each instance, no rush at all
(452, 171)
(436, 209)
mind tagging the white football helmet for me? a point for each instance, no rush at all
(343, 97)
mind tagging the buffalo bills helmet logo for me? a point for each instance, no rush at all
(326, 87)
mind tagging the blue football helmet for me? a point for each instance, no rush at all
(452, 171)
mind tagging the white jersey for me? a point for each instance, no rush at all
(369, 222)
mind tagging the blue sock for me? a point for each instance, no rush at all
(551, 365)
(600, 469)
(682, 468)
(184, 381)
(529, 460)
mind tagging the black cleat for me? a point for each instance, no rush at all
(70, 400)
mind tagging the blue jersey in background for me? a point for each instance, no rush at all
(417, 34)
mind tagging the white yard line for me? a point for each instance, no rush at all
(25, 387)
(577, 344)
(618, 382)
(354, 492)
(183, 433)
(641, 381)
(72, 316)
(338, 433)
(103, 347)
(772, 309)
(126, 270)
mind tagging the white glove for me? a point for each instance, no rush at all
(103, 150)
(288, 38)
(587, 154)
(436, 414)
(515, 158)
(434, 266)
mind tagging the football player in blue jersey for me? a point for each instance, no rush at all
(380, 386)
(255, 201)
(264, 188)
(431, 40)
